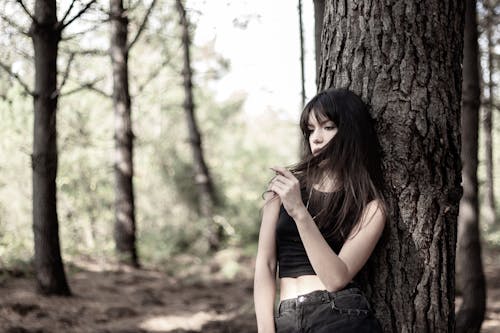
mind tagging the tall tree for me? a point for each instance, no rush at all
(302, 70)
(46, 35)
(490, 210)
(405, 61)
(206, 191)
(125, 223)
(470, 276)
(45, 32)
(319, 13)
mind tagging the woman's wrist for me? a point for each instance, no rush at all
(299, 214)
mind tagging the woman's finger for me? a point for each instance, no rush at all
(283, 171)
(278, 188)
(283, 180)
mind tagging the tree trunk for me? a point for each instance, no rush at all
(319, 13)
(490, 217)
(125, 227)
(206, 192)
(405, 61)
(470, 276)
(49, 267)
(302, 71)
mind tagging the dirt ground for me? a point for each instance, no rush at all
(113, 299)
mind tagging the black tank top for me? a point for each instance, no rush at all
(291, 254)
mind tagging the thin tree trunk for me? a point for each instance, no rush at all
(302, 72)
(203, 180)
(125, 224)
(490, 217)
(319, 13)
(405, 61)
(470, 276)
(49, 267)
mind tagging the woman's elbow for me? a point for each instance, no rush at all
(335, 285)
(338, 281)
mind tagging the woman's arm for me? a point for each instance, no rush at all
(264, 289)
(335, 271)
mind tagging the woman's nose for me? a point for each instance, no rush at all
(317, 138)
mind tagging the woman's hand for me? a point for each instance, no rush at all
(288, 188)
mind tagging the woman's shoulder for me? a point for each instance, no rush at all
(375, 209)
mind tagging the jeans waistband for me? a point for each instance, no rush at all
(317, 296)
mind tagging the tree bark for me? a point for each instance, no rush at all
(490, 217)
(470, 276)
(206, 191)
(404, 59)
(50, 276)
(125, 224)
(319, 13)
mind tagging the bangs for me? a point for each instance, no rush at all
(323, 108)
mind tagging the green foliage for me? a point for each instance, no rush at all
(16, 122)
(239, 148)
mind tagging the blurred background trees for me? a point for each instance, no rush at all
(470, 278)
(168, 218)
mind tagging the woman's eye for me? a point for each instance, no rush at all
(329, 128)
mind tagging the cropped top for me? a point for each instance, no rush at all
(291, 254)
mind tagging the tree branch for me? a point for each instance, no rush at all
(76, 34)
(152, 76)
(15, 25)
(15, 76)
(142, 26)
(27, 11)
(66, 72)
(63, 24)
(89, 86)
(91, 52)
(68, 11)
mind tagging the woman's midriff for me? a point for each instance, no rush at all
(293, 287)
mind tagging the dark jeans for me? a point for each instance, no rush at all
(321, 311)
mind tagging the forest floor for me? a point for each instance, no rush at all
(199, 297)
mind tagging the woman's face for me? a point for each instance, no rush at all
(321, 131)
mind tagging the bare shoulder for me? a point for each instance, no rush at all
(374, 213)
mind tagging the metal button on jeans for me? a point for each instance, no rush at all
(301, 299)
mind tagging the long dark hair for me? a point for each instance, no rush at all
(352, 158)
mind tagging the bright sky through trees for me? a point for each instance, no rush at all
(261, 40)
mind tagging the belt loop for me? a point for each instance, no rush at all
(329, 296)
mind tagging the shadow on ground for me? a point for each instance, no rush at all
(124, 300)
(199, 298)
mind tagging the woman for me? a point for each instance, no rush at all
(321, 221)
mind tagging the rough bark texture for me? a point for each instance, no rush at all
(490, 216)
(403, 58)
(49, 267)
(125, 226)
(206, 191)
(470, 276)
(319, 12)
